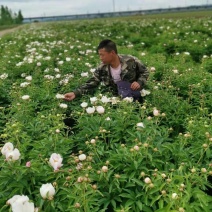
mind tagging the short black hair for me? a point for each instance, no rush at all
(108, 45)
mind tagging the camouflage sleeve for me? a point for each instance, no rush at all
(89, 85)
(142, 73)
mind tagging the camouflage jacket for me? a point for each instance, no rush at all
(131, 70)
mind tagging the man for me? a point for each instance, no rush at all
(115, 68)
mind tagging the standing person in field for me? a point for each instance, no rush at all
(124, 74)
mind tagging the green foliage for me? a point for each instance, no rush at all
(163, 166)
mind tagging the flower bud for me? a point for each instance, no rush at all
(105, 169)
(174, 196)
(147, 180)
(77, 205)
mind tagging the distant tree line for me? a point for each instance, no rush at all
(7, 17)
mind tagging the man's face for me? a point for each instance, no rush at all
(106, 57)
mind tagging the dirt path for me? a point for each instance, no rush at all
(6, 31)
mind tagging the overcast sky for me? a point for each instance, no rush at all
(37, 8)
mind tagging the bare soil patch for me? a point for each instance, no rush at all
(6, 31)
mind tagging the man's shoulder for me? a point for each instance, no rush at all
(127, 57)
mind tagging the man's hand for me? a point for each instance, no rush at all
(69, 96)
(135, 86)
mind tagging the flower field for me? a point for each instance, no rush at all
(116, 155)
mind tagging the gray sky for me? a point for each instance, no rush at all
(37, 8)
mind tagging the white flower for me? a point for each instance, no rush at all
(68, 59)
(136, 148)
(144, 92)
(93, 100)
(13, 155)
(114, 100)
(93, 141)
(104, 168)
(24, 84)
(29, 78)
(82, 157)
(84, 74)
(100, 109)
(47, 191)
(84, 104)
(62, 105)
(56, 69)
(38, 63)
(23, 75)
(104, 99)
(175, 71)
(56, 161)
(21, 203)
(57, 76)
(90, 110)
(128, 99)
(59, 96)
(174, 196)
(60, 62)
(92, 70)
(152, 69)
(140, 124)
(156, 112)
(108, 119)
(49, 77)
(147, 180)
(25, 97)
(8, 147)
(3, 76)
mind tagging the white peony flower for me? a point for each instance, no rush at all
(128, 99)
(152, 69)
(29, 78)
(144, 92)
(104, 99)
(84, 74)
(82, 157)
(56, 161)
(13, 155)
(93, 100)
(60, 62)
(92, 70)
(84, 104)
(21, 203)
(100, 109)
(90, 110)
(8, 147)
(174, 196)
(59, 96)
(3, 76)
(140, 124)
(57, 76)
(24, 84)
(62, 105)
(175, 71)
(147, 180)
(104, 168)
(47, 191)
(156, 112)
(25, 97)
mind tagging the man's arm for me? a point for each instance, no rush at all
(89, 86)
(142, 73)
